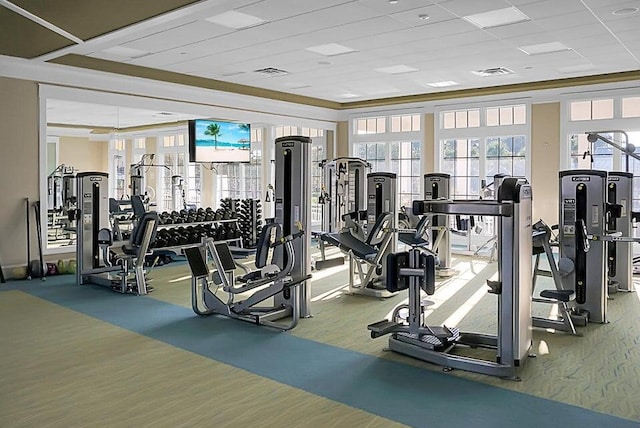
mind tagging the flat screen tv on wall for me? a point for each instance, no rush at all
(218, 141)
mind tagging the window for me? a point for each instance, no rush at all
(374, 153)
(174, 198)
(118, 174)
(631, 107)
(396, 147)
(461, 119)
(406, 123)
(506, 115)
(506, 155)
(405, 162)
(370, 125)
(228, 181)
(461, 159)
(317, 156)
(592, 109)
(475, 145)
(140, 143)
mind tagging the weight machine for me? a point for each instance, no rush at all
(283, 278)
(437, 186)
(98, 260)
(415, 271)
(344, 191)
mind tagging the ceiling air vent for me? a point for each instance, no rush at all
(497, 71)
(272, 71)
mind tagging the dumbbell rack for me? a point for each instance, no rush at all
(250, 220)
(234, 241)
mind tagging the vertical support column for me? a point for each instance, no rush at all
(292, 203)
(268, 147)
(93, 195)
(382, 191)
(620, 254)
(437, 186)
(514, 267)
(582, 203)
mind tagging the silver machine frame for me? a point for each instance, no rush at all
(620, 253)
(292, 202)
(288, 289)
(280, 287)
(345, 187)
(513, 288)
(92, 264)
(381, 198)
(582, 214)
(437, 186)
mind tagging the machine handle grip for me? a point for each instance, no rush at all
(582, 237)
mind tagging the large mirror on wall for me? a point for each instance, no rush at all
(145, 151)
(124, 142)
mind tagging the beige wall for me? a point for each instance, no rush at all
(342, 139)
(18, 168)
(83, 154)
(545, 160)
(428, 149)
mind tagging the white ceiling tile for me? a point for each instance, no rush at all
(175, 37)
(515, 30)
(471, 7)
(435, 13)
(547, 8)
(276, 10)
(568, 20)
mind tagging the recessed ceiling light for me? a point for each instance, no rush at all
(237, 20)
(330, 49)
(443, 84)
(349, 95)
(125, 52)
(393, 1)
(496, 18)
(423, 16)
(396, 69)
(543, 48)
(625, 11)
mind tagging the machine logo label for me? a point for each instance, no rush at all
(580, 178)
(288, 144)
(378, 180)
(434, 179)
(569, 201)
(278, 200)
(95, 178)
(614, 178)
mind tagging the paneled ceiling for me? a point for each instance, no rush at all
(372, 48)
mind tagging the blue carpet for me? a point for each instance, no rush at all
(396, 391)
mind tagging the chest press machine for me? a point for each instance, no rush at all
(415, 272)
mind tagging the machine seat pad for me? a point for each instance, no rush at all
(331, 238)
(129, 250)
(560, 295)
(348, 242)
(412, 240)
(251, 276)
